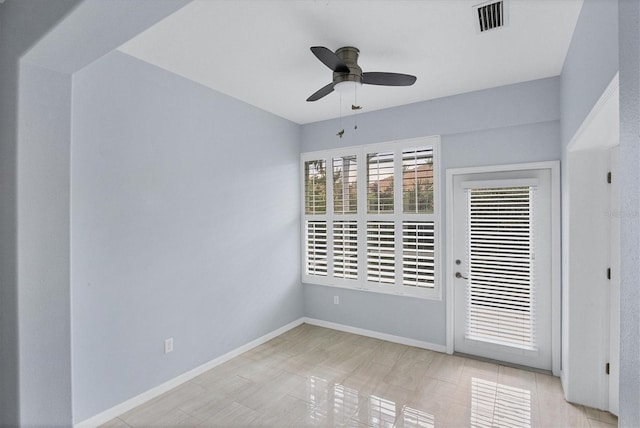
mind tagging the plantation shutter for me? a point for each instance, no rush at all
(380, 178)
(315, 210)
(381, 252)
(500, 292)
(316, 251)
(370, 217)
(315, 187)
(345, 249)
(418, 254)
(417, 181)
(345, 181)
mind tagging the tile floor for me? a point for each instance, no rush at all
(313, 376)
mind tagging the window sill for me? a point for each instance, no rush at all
(427, 294)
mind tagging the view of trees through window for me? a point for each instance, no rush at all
(345, 189)
(417, 181)
(315, 190)
(417, 184)
(380, 183)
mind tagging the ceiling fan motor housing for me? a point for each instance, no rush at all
(349, 56)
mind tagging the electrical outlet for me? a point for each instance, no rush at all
(168, 345)
(336, 300)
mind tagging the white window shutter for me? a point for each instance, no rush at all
(380, 178)
(316, 251)
(345, 249)
(345, 175)
(315, 187)
(370, 217)
(381, 252)
(418, 253)
(417, 181)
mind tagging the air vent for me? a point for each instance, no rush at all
(490, 16)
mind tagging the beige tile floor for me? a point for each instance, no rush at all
(313, 376)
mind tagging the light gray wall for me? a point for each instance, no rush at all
(23, 23)
(416, 319)
(511, 124)
(35, 350)
(184, 224)
(43, 246)
(629, 34)
(591, 63)
(506, 106)
(605, 41)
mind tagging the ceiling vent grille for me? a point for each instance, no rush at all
(490, 15)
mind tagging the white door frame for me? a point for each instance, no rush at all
(614, 294)
(554, 168)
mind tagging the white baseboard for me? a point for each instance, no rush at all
(563, 383)
(124, 407)
(377, 335)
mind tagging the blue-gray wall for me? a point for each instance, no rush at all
(511, 124)
(44, 314)
(28, 380)
(591, 63)
(503, 107)
(184, 224)
(35, 126)
(606, 40)
(629, 35)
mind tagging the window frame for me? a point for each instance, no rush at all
(362, 217)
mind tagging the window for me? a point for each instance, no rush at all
(345, 179)
(374, 225)
(380, 172)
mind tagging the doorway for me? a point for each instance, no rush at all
(591, 284)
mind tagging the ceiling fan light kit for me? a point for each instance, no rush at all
(346, 87)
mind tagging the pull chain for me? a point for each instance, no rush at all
(341, 131)
(357, 107)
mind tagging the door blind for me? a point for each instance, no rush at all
(500, 292)
(345, 249)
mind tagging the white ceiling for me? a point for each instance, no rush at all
(258, 50)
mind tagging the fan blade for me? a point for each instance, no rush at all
(388, 79)
(325, 90)
(330, 59)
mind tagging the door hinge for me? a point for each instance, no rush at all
(606, 368)
(609, 177)
(608, 273)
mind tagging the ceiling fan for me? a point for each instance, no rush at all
(344, 64)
